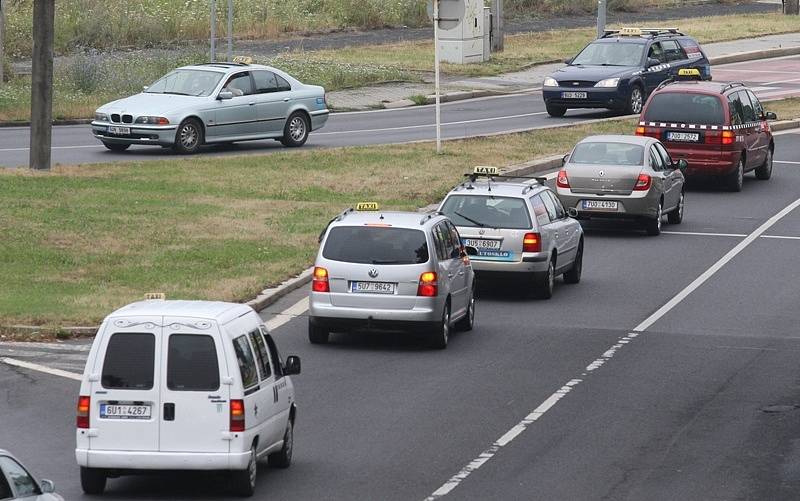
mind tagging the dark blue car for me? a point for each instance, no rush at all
(619, 70)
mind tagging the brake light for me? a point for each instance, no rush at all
(640, 131)
(320, 281)
(532, 242)
(562, 181)
(643, 182)
(237, 415)
(728, 137)
(428, 285)
(84, 405)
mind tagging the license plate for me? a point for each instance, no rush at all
(373, 287)
(109, 411)
(574, 95)
(686, 137)
(482, 244)
(600, 205)
(119, 131)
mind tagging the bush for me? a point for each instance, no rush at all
(8, 71)
(84, 72)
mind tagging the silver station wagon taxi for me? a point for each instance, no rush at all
(518, 227)
(213, 103)
(391, 271)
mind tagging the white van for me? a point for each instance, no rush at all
(184, 385)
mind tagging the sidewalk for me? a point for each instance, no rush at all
(396, 95)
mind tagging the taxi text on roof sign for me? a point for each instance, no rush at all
(242, 59)
(155, 295)
(485, 170)
(689, 72)
(367, 206)
(630, 32)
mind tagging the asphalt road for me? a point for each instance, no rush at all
(772, 79)
(598, 393)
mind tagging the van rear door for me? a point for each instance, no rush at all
(125, 409)
(194, 394)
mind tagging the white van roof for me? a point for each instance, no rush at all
(209, 310)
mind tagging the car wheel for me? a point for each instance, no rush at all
(573, 276)
(556, 111)
(116, 146)
(764, 172)
(244, 481)
(283, 458)
(653, 226)
(295, 132)
(676, 216)
(317, 334)
(737, 177)
(441, 332)
(189, 137)
(467, 323)
(635, 101)
(93, 480)
(546, 281)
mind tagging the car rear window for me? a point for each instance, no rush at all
(192, 363)
(685, 108)
(488, 211)
(607, 154)
(129, 361)
(376, 245)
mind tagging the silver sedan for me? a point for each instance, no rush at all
(214, 103)
(17, 483)
(623, 177)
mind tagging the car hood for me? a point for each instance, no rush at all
(152, 104)
(592, 73)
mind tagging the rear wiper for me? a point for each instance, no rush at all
(469, 219)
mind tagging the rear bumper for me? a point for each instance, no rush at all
(425, 309)
(153, 460)
(611, 98)
(532, 262)
(719, 163)
(319, 119)
(163, 135)
(634, 206)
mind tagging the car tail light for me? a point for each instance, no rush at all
(640, 131)
(562, 181)
(643, 182)
(237, 415)
(728, 137)
(320, 281)
(428, 284)
(84, 405)
(532, 242)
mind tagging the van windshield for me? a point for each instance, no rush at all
(487, 211)
(129, 361)
(684, 108)
(376, 245)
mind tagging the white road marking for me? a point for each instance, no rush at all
(59, 147)
(41, 368)
(550, 402)
(47, 346)
(701, 234)
(786, 161)
(780, 237)
(422, 126)
(781, 81)
(288, 314)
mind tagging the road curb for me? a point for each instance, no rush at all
(738, 57)
(77, 121)
(270, 296)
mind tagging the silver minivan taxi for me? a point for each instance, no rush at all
(391, 271)
(518, 227)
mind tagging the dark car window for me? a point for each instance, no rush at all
(265, 81)
(283, 85)
(275, 355)
(261, 354)
(447, 243)
(246, 360)
(607, 154)
(376, 245)
(560, 212)
(657, 52)
(614, 53)
(735, 109)
(540, 211)
(759, 109)
(5, 490)
(240, 84)
(672, 50)
(748, 111)
(23, 483)
(456, 239)
(664, 154)
(656, 162)
(438, 242)
(192, 363)
(489, 211)
(684, 108)
(129, 361)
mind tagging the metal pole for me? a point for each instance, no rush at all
(2, 37)
(42, 84)
(230, 30)
(601, 17)
(213, 30)
(436, 73)
(498, 37)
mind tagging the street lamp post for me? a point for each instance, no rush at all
(230, 30)
(436, 75)
(601, 17)
(213, 30)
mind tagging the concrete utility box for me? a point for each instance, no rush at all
(462, 29)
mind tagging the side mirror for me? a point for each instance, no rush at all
(568, 60)
(144, 88)
(564, 159)
(47, 486)
(572, 212)
(225, 95)
(651, 61)
(292, 365)
(770, 116)
(471, 251)
(681, 164)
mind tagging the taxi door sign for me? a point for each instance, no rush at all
(367, 206)
(484, 170)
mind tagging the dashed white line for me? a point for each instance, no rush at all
(41, 368)
(702, 234)
(786, 162)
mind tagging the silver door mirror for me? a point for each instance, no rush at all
(225, 95)
(572, 212)
(770, 116)
(292, 365)
(568, 61)
(47, 486)
(144, 88)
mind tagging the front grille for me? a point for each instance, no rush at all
(127, 119)
(576, 83)
(115, 117)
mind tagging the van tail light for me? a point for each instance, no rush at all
(640, 131)
(428, 284)
(648, 131)
(562, 181)
(320, 281)
(643, 182)
(532, 242)
(728, 137)
(237, 415)
(84, 406)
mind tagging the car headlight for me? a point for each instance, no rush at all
(101, 117)
(152, 120)
(550, 82)
(608, 82)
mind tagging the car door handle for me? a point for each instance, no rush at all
(287, 99)
(252, 104)
(169, 412)
(461, 273)
(449, 275)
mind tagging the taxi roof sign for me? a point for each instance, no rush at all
(242, 59)
(630, 32)
(367, 206)
(689, 73)
(486, 170)
(160, 296)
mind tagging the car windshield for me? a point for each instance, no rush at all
(611, 54)
(487, 211)
(607, 154)
(187, 83)
(685, 108)
(376, 245)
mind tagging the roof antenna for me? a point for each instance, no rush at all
(381, 218)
